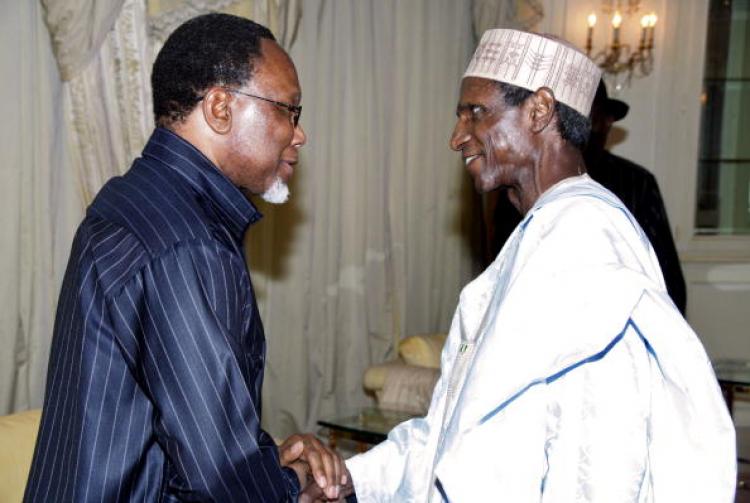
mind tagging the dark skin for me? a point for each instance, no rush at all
(320, 470)
(519, 148)
(252, 142)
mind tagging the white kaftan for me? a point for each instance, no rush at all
(568, 376)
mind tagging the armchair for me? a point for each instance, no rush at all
(406, 383)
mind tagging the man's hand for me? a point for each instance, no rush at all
(313, 494)
(307, 456)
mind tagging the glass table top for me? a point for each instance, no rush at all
(368, 421)
(733, 371)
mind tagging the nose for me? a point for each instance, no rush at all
(299, 138)
(460, 136)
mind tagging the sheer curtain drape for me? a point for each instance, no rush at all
(280, 16)
(520, 14)
(374, 244)
(108, 102)
(77, 29)
(39, 202)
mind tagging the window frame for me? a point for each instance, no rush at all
(678, 134)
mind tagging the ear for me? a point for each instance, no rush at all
(216, 110)
(542, 104)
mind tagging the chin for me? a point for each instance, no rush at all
(277, 193)
(479, 186)
(486, 184)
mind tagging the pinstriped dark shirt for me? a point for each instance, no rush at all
(156, 366)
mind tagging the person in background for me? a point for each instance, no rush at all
(158, 353)
(568, 374)
(636, 187)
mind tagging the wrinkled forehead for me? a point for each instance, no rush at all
(478, 90)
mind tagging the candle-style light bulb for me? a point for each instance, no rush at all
(616, 19)
(590, 33)
(651, 24)
(645, 23)
(616, 22)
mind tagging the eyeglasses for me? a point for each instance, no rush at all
(294, 110)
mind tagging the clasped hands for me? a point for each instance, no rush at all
(321, 471)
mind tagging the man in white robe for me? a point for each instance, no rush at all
(568, 374)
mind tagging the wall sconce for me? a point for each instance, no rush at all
(618, 58)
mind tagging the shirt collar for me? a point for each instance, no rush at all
(235, 210)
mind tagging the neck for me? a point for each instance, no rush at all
(198, 134)
(556, 161)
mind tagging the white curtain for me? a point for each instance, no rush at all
(108, 102)
(280, 16)
(39, 202)
(77, 29)
(519, 14)
(374, 243)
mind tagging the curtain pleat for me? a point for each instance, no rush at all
(77, 29)
(375, 242)
(40, 205)
(519, 14)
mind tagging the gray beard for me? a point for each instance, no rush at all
(277, 193)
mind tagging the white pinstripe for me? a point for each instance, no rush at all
(167, 183)
(151, 203)
(95, 235)
(88, 388)
(213, 185)
(158, 372)
(182, 391)
(124, 216)
(55, 383)
(116, 281)
(117, 262)
(143, 441)
(218, 359)
(127, 437)
(101, 410)
(195, 382)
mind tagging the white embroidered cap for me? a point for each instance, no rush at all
(532, 61)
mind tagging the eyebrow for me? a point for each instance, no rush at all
(466, 107)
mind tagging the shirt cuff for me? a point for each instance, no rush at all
(292, 482)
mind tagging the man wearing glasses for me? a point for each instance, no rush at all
(158, 353)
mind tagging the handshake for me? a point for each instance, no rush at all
(321, 471)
